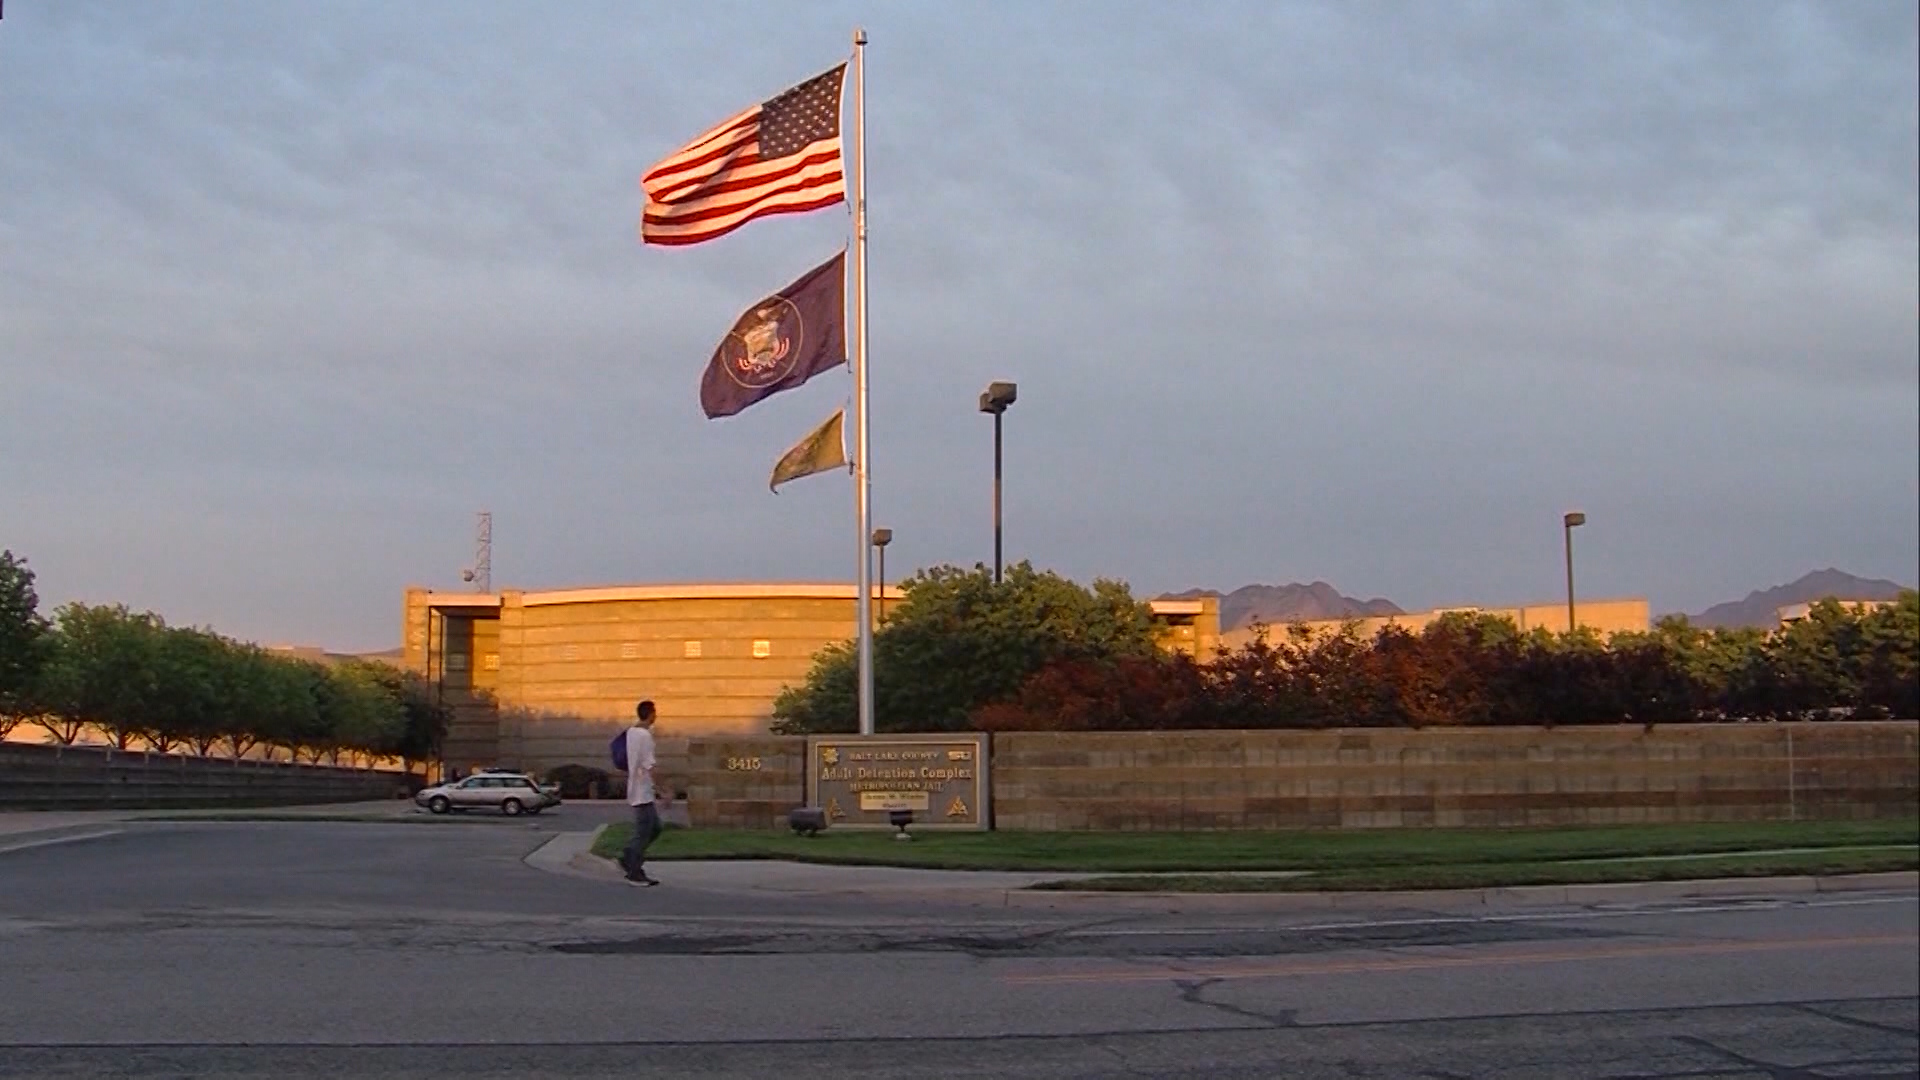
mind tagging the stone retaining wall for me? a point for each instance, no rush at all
(1373, 778)
(735, 782)
(34, 777)
(1455, 777)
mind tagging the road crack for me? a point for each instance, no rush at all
(1854, 1021)
(1193, 992)
(1771, 1070)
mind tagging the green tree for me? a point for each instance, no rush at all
(1813, 661)
(255, 689)
(1889, 665)
(424, 720)
(273, 702)
(1650, 680)
(313, 709)
(1703, 662)
(197, 690)
(51, 695)
(103, 673)
(368, 716)
(24, 645)
(959, 641)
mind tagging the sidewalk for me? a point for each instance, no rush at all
(571, 853)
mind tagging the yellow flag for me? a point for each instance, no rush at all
(824, 448)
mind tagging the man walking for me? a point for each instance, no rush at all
(646, 817)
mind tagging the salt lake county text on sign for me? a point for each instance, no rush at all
(859, 781)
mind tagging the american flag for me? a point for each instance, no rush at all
(779, 157)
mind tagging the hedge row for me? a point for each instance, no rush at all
(1468, 669)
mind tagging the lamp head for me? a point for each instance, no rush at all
(882, 537)
(998, 396)
(1575, 518)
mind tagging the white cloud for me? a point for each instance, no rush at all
(1353, 292)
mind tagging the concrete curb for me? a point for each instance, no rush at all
(50, 837)
(1520, 896)
(570, 854)
(29, 823)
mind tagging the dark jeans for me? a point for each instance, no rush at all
(646, 826)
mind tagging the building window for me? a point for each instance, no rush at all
(629, 650)
(456, 662)
(491, 661)
(762, 649)
(693, 650)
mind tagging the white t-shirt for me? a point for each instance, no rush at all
(639, 766)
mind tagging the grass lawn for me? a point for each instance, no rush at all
(1331, 856)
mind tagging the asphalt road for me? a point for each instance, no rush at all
(310, 949)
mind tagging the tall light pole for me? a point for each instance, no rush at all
(1569, 523)
(881, 538)
(996, 399)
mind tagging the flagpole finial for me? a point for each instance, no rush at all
(859, 35)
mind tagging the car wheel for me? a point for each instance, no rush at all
(439, 804)
(511, 808)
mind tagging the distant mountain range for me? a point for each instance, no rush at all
(1761, 609)
(1277, 605)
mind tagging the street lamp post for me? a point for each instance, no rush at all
(881, 538)
(995, 399)
(1568, 524)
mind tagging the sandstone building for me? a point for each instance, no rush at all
(543, 678)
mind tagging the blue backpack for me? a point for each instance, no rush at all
(618, 748)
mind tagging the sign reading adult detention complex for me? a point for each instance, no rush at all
(858, 780)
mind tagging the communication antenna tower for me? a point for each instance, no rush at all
(481, 572)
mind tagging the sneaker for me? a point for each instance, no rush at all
(641, 881)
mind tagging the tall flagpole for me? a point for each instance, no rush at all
(862, 475)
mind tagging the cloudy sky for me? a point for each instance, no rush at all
(1367, 293)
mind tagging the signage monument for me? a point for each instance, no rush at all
(859, 781)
